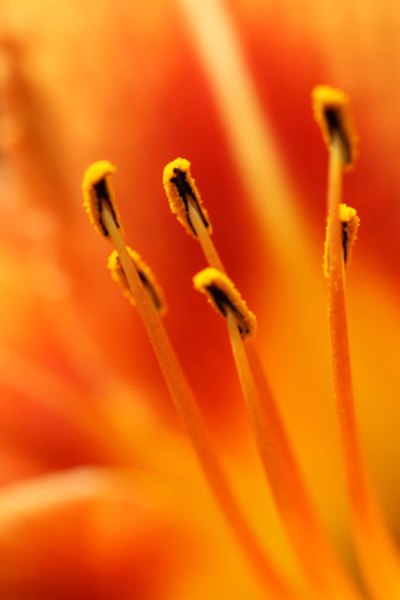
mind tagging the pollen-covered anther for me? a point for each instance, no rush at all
(147, 278)
(182, 193)
(98, 194)
(224, 297)
(349, 222)
(332, 114)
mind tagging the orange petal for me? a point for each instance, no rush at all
(85, 534)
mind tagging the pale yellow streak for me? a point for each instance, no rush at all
(245, 121)
(52, 491)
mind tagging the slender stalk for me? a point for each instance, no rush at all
(206, 243)
(319, 562)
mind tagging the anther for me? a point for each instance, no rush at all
(224, 297)
(146, 277)
(349, 222)
(332, 114)
(97, 193)
(182, 194)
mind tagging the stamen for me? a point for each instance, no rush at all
(349, 222)
(325, 574)
(97, 191)
(375, 548)
(188, 411)
(226, 299)
(146, 277)
(332, 113)
(185, 201)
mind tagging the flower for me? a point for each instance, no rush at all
(86, 425)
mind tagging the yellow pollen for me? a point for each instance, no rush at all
(224, 297)
(182, 194)
(146, 276)
(332, 114)
(97, 192)
(349, 222)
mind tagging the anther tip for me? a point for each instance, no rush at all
(331, 109)
(178, 164)
(97, 171)
(96, 188)
(223, 295)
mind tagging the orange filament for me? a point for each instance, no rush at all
(187, 409)
(310, 540)
(323, 571)
(377, 556)
(206, 243)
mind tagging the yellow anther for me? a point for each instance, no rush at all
(97, 192)
(223, 296)
(350, 222)
(182, 193)
(146, 276)
(332, 113)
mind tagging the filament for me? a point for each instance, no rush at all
(206, 243)
(320, 564)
